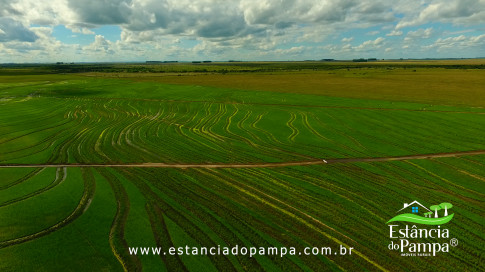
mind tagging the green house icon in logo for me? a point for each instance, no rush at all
(410, 212)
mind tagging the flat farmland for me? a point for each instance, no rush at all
(93, 163)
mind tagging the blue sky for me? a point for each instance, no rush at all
(139, 30)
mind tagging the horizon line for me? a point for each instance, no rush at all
(232, 61)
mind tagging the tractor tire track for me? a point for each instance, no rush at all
(117, 241)
(279, 105)
(22, 179)
(88, 194)
(61, 175)
(162, 237)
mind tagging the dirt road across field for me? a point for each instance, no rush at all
(253, 165)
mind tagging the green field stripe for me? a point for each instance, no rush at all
(271, 187)
(307, 142)
(234, 136)
(61, 175)
(426, 133)
(306, 123)
(31, 174)
(376, 107)
(457, 171)
(448, 182)
(133, 135)
(92, 137)
(252, 129)
(465, 169)
(181, 217)
(222, 111)
(355, 133)
(162, 237)
(186, 131)
(407, 192)
(174, 137)
(294, 130)
(240, 125)
(253, 229)
(89, 189)
(214, 118)
(283, 188)
(58, 125)
(336, 132)
(73, 147)
(60, 151)
(268, 134)
(40, 112)
(78, 146)
(129, 131)
(205, 127)
(47, 142)
(368, 206)
(421, 190)
(384, 133)
(199, 134)
(27, 125)
(332, 142)
(256, 142)
(250, 204)
(201, 121)
(395, 172)
(419, 181)
(98, 143)
(26, 84)
(281, 207)
(229, 118)
(204, 210)
(117, 240)
(40, 147)
(284, 151)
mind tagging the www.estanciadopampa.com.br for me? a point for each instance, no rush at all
(237, 250)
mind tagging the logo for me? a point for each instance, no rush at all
(427, 240)
(431, 215)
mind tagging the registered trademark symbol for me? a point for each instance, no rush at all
(454, 242)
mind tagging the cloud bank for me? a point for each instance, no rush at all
(244, 29)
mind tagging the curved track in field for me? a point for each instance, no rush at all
(257, 165)
(220, 172)
(84, 202)
(276, 104)
(61, 175)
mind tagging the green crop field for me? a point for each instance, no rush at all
(95, 162)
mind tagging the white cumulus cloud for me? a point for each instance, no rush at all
(219, 28)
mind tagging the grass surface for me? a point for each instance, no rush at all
(427, 85)
(85, 218)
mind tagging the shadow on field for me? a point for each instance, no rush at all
(78, 92)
